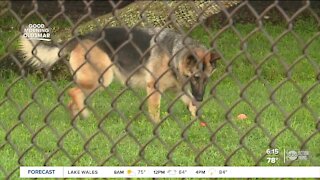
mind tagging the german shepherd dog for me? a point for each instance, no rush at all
(155, 59)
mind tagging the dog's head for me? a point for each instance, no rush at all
(196, 67)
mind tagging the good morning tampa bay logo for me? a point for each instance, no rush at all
(37, 32)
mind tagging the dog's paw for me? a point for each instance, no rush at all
(85, 113)
(193, 109)
(73, 109)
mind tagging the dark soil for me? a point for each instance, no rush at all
(267, 11)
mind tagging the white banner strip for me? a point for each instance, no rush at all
(169, 172)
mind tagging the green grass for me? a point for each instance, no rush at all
(35, 127)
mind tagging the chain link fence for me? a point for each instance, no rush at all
(263, 95)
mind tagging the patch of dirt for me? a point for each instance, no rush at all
(272, 14)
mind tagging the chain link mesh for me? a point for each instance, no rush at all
(267, 71)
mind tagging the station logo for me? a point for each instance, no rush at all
(298, 155)
(37, 32)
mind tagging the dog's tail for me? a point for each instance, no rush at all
(42, 54)
(38, 53)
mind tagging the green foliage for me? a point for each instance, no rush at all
(105, 127)
(247, 48)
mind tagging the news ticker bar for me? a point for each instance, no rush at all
(168, 172)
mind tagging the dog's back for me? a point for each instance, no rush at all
(127, 49)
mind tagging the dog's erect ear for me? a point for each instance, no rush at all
(186, 64)
(190, 59)
(213, 58)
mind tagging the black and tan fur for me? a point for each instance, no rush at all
(159, 59)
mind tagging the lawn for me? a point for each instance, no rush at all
(280, 95)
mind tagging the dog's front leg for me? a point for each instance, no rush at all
(192, 106)
(154, 98)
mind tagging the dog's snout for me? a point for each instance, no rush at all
(199, 98)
